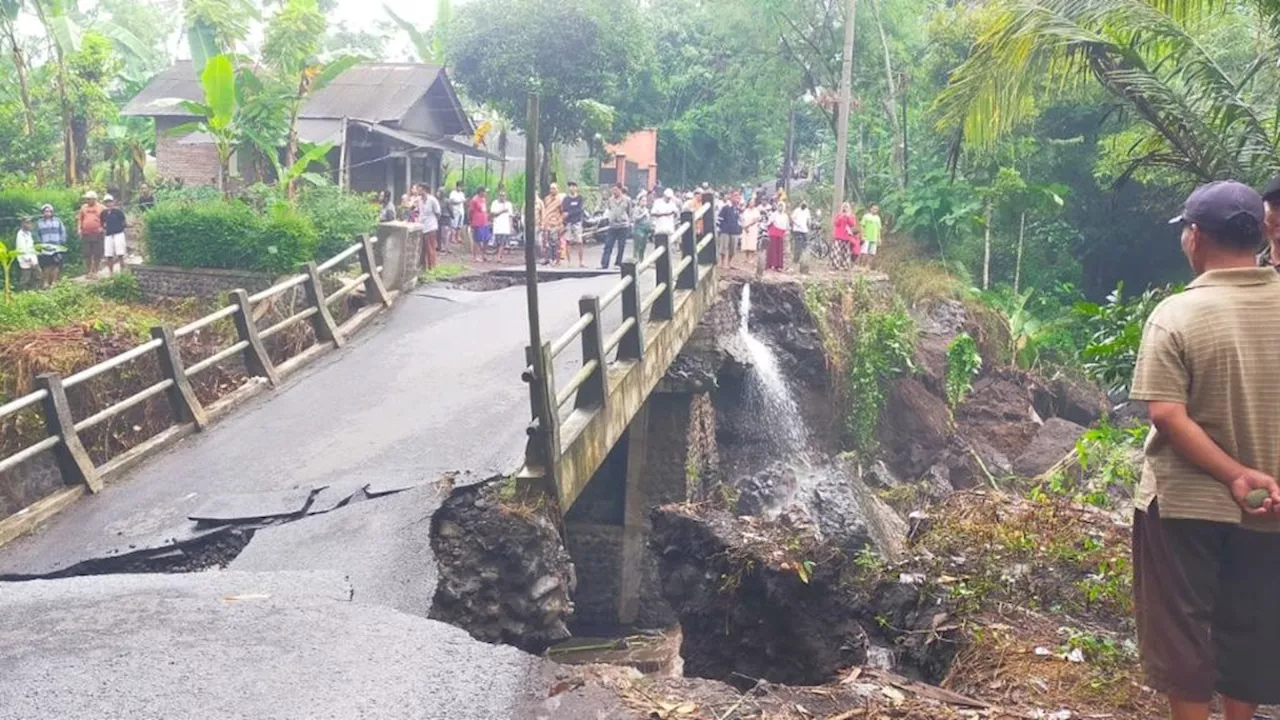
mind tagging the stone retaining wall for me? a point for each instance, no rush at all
(161, 281)
(28, 482)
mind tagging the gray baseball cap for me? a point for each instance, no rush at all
(1222, 205)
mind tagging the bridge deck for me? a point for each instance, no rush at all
(433, 389)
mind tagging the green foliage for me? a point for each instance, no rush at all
(121, 288)
(339, 218)
(66, 302)
(1107, 468)
(870, 346)
(19, 202)
(1112, 349)
(963, 364)
(229, 234)
(443, 271)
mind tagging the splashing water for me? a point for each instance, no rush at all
(768, 393)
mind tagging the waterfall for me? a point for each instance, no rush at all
(768, 393)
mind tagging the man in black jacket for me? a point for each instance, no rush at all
(729, 229)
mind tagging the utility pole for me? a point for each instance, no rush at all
(791, 146)
(842, 124)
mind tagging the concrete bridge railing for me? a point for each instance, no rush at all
(64, 431)
(563, 453)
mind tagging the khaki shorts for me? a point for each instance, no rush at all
(726, 244)
(573, 233)
(92, 246)
(1205, 596)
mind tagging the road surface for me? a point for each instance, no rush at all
(434, 387)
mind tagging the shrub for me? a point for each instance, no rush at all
(18, 202)
(338, 217)
(1115, 334)
(122, 288)
(64, 302)
(228, 234)
(963, 364)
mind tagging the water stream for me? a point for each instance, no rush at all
(769, 395)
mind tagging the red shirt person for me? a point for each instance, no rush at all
(478, 214)
(847, 230)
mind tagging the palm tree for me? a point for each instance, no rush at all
(1199, 119)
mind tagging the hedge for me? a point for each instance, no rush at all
(339, 217)
(19, 202)
(229, 234)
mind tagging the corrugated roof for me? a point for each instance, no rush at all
(375, 92)
(418, 140)
(178, 82)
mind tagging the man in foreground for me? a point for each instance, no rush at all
(617, 211)
(1206, 532)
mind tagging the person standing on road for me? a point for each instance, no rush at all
(429, 215)
(847, 235)
(617, 212)
(799, 231)
(114, 246)
(481, 233)
(89, 228)
(779, 224)
(502, 214)
(51, 244)
(870, 234)
(550, 219)
(574, 213)
(751, 232)
(1206, 529)
(663, 214)
(728, 230)
(457, 213)
(641, 226)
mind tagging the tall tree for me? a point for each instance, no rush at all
(582, 59)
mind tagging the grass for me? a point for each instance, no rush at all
(918, 280)
(444, 271)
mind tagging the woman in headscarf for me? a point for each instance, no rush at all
(51, 244)
(779, 224)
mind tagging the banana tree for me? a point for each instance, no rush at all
(216, 116)
(287, 176)
(7, 259)
(430, 44)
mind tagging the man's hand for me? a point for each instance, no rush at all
(1249, 481)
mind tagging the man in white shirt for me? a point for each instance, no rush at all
(664, 213)
(457, 213)
(429, 215)
(502, 216)
(799, 231)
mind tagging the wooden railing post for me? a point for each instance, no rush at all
(182, 397)
(73, 460)
(322, 322)
(256, 360)
(373, 287)
(594, 392)
(664, 307)
(688, 279)
(631, 346)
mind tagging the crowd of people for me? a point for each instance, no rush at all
(41, 241)
(744, 220)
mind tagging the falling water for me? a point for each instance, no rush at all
(768, 393)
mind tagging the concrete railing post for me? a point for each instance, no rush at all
(322, 322)
(256, 360)
(631, 346)
(373, 287)
(182, 397)
(73, 460)
(688, 279)
(664, 306)
(594, 392)
(708, 254)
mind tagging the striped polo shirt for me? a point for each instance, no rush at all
(1216, 349)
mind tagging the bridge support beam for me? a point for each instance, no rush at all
(667, 455)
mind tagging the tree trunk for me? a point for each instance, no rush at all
(890, 98)
(68, 136)
(986, 252)
(24, 93)
(1017, 266)
(544, 171)
(842, 129)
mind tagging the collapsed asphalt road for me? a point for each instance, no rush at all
(322, 616)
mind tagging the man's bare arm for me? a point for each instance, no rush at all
(1194, 445)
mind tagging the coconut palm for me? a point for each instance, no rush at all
(1200, 119)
